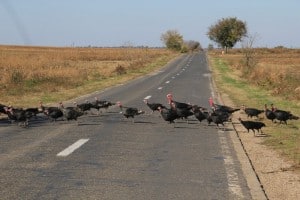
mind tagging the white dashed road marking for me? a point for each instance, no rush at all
(232, 177)
(72, 147)
(160, 88)
(148, 97)
(167, 82)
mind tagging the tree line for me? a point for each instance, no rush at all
(226, 33)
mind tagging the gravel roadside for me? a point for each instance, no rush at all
(276, 174)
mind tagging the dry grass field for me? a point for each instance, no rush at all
(33, 74)
(274, 79)
(276, 70)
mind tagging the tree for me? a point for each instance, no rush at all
(227, 32)
(172, 39)
(192, 45)
(210, 47)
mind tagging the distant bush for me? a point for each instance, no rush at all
(120, 70)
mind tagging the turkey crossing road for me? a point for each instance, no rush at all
(107, 156)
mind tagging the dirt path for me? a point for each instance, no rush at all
(276, 174)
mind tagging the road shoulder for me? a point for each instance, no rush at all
(266, 171)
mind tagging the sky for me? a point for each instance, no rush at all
(112, 23)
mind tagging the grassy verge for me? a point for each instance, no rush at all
(284, 138)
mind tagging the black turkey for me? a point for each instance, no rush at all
(283, 115)
(199, 113)
(18, 115)
(177, 104)
(101, 104)
(252, 125)
(2, 109)
(168, 115)
(131, 112)
(269, 114)
(222, 108)
(252, 112)
(86, 106)
(53, 113)
(182, 113)
(219, 118)
(153, 106)
(71, 113)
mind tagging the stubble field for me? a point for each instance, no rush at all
(48, 74)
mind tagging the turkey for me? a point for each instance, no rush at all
(208, 117)
(53, 113)
(252, 125)
(153, 106)
(132, 112)
(168, 115)
(219, 118)
(71, 113)
(19, 115)
(99, 104)
(84, 107)
(199, 113)
(252, 112)
(222, 108)
(283, 116)
(34, 111)
(269, 114)
(177, 104)
(182, 113)
(2, 108)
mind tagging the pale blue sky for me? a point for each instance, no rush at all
(141, 22)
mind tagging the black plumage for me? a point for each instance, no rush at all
(182, 113)
(101, 104)
(85, 106)
(269, 114)
(177, 104)
(53, 112)
(219, 117)
(70, 113)
(252, 125)
(131, 112)
(2, 108)
(283, 116)
(153, 106)
(252, 112)
(168, 115)
(19, 115)
(199, 113)
(208, 117)
(224, 108)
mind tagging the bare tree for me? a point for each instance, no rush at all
(250, 60)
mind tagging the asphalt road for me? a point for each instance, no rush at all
(114, 158)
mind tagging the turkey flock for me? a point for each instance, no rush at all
(216, 114)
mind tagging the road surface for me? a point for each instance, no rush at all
(107, 156)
